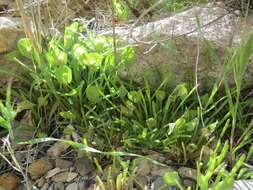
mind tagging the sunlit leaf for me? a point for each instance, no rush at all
(25, 47)
(93, 94)
(172, 178)
(42, 101)
(93, 60)
(63, 74)
(134, 96)
(67, 115)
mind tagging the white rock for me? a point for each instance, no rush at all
(175, 59)
(11, 31)
(52, 172)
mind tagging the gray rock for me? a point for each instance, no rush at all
(72, 186)
(160, 184)
(5, 2)
(59, 186)
(11, 30)
(144, 167)
(84, 165)
(175, 58)
(189, 173)
(242, 185)
(45, 186)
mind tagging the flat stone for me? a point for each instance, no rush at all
(186, 172)
(84, 165)
(57, 149)
(59, 186)
(64, 177)
(60, 163)
(9, 181)
(11, 31)
(52, 172)
(144, 167)
(156, 156)
(40, 167)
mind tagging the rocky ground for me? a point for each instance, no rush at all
(60, 167)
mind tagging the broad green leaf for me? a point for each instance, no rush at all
(102, 43)
(3, 123)
(160, 95)
(62, 58)
(79, 52)
(67, 115)
(63, 74)
(42, 101)
(25, 47)
(127, 56)
(25, 105)
(190, 126)
(212, 127)
(93, 94)
(151, 122)
(182, 90)
(75, 91)
(125, 111)
(134, 96)
(122, 92)
(93, 60)
(172, 178)
(70, 35)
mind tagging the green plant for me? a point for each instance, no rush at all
(216, 177)
(71, 77)
(7, 114)
(118, 176)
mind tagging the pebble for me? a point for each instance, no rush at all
(186, 172)
(72, 186)
(57, 149)
(159, 183)
(9, 181)
(144, 167)
(52, 172)
(84, 165)
(40, 182)
(64, 177)
(60, 163)
(59, 186)
(40, 167)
